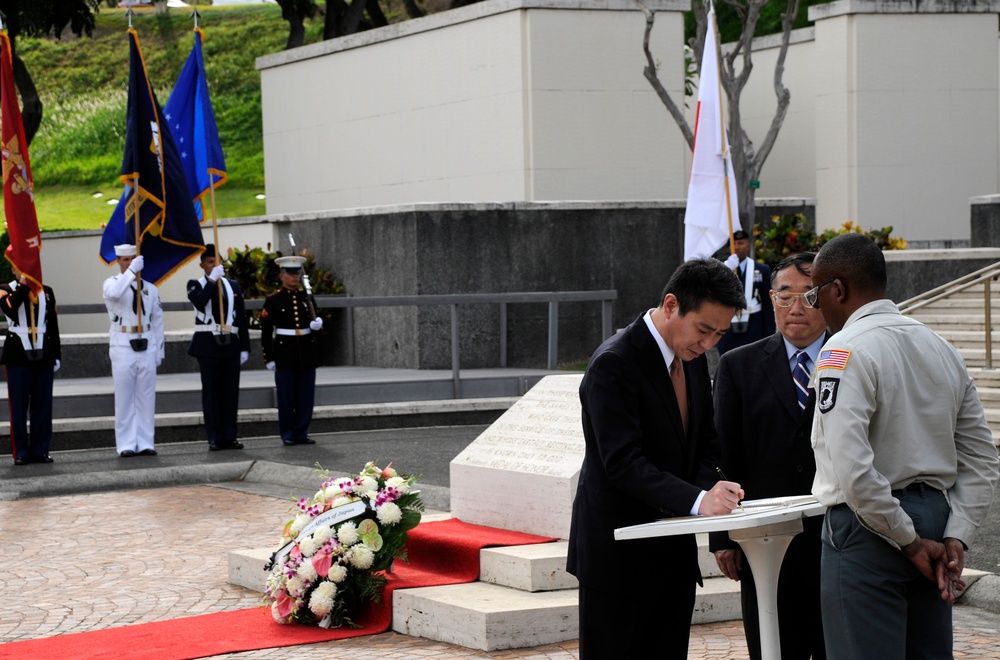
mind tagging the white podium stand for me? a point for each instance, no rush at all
(764, 528)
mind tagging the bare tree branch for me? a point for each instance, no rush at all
(661, 91)
(784, 96)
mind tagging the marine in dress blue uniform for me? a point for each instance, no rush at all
(221, 344)
(288, 341)
(32, 355)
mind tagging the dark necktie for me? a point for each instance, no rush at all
(800, 374)
(680, 389)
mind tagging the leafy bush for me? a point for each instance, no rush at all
(784, 235)
(257, 274)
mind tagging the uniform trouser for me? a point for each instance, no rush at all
(134, 374)
(29, 393)
(875, 602)
(220, 396)
(296, 390)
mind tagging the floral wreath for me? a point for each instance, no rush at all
(338, 545)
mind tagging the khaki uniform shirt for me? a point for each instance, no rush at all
(896, 405)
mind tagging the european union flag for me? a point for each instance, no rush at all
(192, 123)
(155, 213)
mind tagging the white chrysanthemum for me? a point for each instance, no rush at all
(368, 485)
(399, 483)
(274, 613)
(294, 586)
(308, 547)
(389, 514)
(320, 496)
(321, 535)
(299, 524)
(331, 493)
(307, 572)
(361, 556)
(340, 500)
(337, 573)
(347, 534)
(321, 601)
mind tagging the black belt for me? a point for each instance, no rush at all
(915, 487)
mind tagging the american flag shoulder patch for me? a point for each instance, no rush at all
(833, 359)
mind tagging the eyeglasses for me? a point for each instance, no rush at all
(812, 295)
(787, 299)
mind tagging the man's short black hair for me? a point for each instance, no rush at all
(856, 259)
(802, 261)
(700, 280)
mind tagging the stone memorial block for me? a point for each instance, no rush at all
(522, 472)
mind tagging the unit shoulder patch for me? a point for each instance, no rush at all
(827, 394)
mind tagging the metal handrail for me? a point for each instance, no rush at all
(984, 275)
(350, 303)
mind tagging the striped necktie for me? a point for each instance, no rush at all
(800, 374)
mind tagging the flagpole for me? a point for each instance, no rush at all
(722, 132)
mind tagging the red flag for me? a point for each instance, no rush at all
(18, 194)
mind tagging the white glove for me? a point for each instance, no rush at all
(316, 324)
(136, 265)
(57, 365)
(244, 356)
(159, 361)
(732, 262)
(217, 273)
(270, 365)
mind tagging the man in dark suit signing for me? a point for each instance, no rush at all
(764, 413)
(651, 453)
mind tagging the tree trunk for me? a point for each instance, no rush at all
(296, 23)
(374, 10)
(352, 19)
(413, 10)
(31, 110)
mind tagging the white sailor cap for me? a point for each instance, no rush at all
(291, 264)
(124, 250)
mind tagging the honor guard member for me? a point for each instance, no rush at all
(756, 321)
(32, 354)
(136, 350)
(221, 343)
(288, 325)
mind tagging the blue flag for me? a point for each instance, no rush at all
(192, 123)
(155, 213)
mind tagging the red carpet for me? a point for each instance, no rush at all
(445, 552)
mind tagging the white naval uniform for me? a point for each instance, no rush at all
(134, 372)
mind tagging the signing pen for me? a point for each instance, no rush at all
(719, 470)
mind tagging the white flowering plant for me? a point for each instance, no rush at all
(338, 546)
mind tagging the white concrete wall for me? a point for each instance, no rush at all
(80, 283)
(906, 120)
(529, 101)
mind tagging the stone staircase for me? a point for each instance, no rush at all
(524, 597)
(956, 311)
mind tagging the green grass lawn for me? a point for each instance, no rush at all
(78, 207)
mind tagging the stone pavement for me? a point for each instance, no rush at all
(98, 560)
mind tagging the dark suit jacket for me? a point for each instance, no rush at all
(760, 325)
(639, 466)
(203, 344)
(765, 437)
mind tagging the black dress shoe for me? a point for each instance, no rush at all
(288, 443)
(40, 459)
(212, 446)
(128, 453)
(147, 452)
(21, 461)
(234, 444)
(305, 441)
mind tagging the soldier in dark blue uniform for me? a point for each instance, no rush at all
(288, 339)
(221, 343)
(32, 355)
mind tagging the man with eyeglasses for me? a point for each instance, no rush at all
(764, 414)
(757, 320)
(904, 461)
